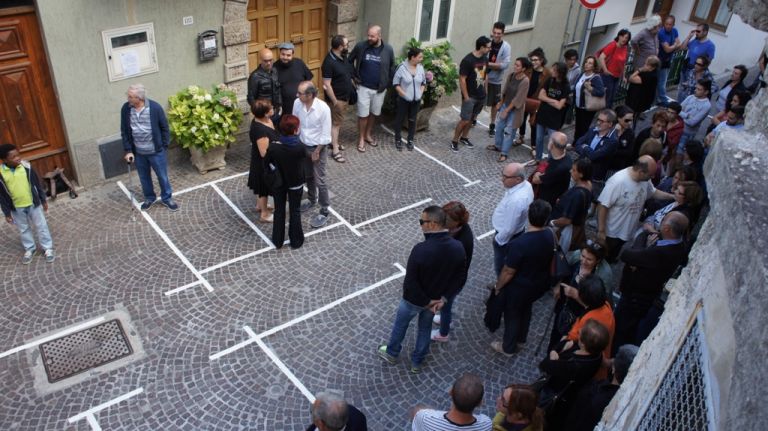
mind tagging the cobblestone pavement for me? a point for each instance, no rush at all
(105, 261)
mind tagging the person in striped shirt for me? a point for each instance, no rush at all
(466, 395)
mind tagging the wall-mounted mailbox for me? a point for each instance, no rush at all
(207, 46)
(130, 51)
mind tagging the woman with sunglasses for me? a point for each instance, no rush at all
(612, 58)
(624, 130)
(517, 410)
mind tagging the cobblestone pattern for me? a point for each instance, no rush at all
(104, 259)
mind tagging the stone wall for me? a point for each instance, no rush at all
(724, 285)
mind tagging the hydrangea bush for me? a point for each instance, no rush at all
(203, 119)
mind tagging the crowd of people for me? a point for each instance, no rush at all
(642, 190)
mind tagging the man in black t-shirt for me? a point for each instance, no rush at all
(472, 85)
(290, 72)
(338, 87)
(554, 181)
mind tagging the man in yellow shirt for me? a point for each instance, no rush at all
(22, 199)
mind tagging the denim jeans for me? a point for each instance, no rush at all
(499, 253)
(542, 133)
(661, 89)
(683, 141)
(505, 132)
(28, 218)
(405, 313)
(145, 164)
(445, 314)
(610, 82)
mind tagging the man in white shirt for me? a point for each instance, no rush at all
(511, 214)
(466, 395)
(315, 133)
(621, 203)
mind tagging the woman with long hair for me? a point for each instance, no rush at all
(551, 114)
(511, 108)
(612, 58)
(537, 76)
(457, 223)
(589, 82)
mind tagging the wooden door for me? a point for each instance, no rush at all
(29, 113)
(301, 22)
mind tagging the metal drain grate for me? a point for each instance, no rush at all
(84, 350)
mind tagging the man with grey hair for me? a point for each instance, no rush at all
(556, 177)
(599, 144)
(330, 412)
(145, 134)
(373, 62)
(646, 41)
(589, 403)
(511, 214)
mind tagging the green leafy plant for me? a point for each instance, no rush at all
(203, 119)
(442, 72)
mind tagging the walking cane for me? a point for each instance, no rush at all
(130, 190)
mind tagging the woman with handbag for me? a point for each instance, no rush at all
(612, 58)
(551, 114)
(262, 132)
(285, 158)
(589, 96)
(410, 82)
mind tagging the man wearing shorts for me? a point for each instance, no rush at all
(373, 62)
(338, 87)
(471, 83)
(498, 63)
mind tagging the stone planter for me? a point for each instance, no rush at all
(422, 119)
(212, 160)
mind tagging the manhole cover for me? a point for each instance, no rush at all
(83, 350)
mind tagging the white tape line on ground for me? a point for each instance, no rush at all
(209, 183)
(469, 182)
(399, 274)
(53, 337)
(251, 339)
(317, 231)
(102, 406)
(242, 216)
(485, 235)
(391, 213)
(343, 220)
(459, 111)
(183, 288)
(292, 377)
(167, 240)
(93, 423)
(236, 259)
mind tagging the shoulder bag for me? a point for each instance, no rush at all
(593, 103)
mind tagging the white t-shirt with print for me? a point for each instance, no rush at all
(624, 198)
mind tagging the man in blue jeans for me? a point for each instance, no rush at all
(145, 133)
(436, 270)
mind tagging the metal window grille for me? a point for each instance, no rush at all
(683, 400)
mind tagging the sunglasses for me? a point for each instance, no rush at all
(422, 221)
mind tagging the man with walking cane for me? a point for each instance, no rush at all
(145, 133)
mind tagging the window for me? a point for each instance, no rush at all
(517, 13)
(641, 9)
(434, 20)
(712, 12)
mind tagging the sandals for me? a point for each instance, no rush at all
(338, 157)
(502, 158)
(492, 147)
(371, 142)
(518, 140)
(361, 148)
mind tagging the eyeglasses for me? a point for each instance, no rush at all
(601, 121)
(267, 60)
(699, 64)
(422, 221)
(509, 177)
(627, 120)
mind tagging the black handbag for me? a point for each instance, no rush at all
(272, 177)
(352, 96)
(559, 268)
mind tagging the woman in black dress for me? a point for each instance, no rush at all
(262, 133)
(287, 156)
(642, 86)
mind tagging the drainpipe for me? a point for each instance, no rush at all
(587, 29)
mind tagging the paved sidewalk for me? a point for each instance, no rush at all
(241, 335)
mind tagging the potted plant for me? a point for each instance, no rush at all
(442, 78)
(205, 122)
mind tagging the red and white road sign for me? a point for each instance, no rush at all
(592, 4)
